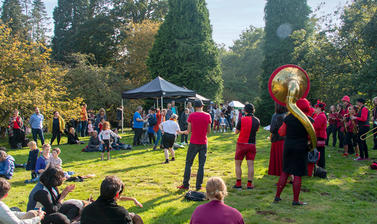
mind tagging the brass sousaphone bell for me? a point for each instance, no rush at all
(288, 84)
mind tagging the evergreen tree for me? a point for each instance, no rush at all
(39, 21)
(184, 52)
(13, 17)
(282, 17)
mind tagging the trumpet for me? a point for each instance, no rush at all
(369, 134)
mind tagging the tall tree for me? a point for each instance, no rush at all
(184, 51)
(39, 21)
(13, 17)
(242, 66)
(282, 18)
(138, 10)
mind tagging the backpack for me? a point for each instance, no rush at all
(195, 196)
(152, 121)
(320, 172)
(313, 156)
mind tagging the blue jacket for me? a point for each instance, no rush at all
(41, 164)
(7, 167)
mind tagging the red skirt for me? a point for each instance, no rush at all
(276, 158)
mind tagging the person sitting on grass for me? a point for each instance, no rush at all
(215, 211)
(56, 218)
(72, 137)
(32, 159)
(8, 216)
(105, 137)
(169, 130)
(94, 144)
(55, 162)
(6, 165)
(73, 208)
(46, 194)
(117, 145)
(105, 208)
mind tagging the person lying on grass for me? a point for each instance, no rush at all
(215, 211)
(105, 208)
(169, 130)
(8, 216)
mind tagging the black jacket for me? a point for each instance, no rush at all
(105, 211)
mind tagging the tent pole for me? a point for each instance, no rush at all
(122, 116)
(157, 102)
(162, 102)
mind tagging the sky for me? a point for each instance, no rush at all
(230, 17)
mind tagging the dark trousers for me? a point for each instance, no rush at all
(137, 136)
(16, 139)
(229, 123)
(341, 138)
(36, 133)
(84, 126)
(331, 129)
(322, 157)
(375, 137)
(152, 138)
(363, 143)
(55, 135)
(191, 154)
(184, 138)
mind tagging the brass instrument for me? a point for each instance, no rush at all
(288, 84)
(369, 134)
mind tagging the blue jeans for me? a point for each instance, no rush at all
(158, 137)
(84, 126)
(39, 132)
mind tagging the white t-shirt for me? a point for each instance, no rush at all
(106, 134)
(170, 127)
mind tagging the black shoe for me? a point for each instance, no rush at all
(298, 203)
(167, 161)
(277, 200)
(172, 159)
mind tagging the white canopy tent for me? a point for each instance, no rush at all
(236, 104)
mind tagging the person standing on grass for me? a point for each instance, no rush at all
(138, 124)
(104, 137)
(160, 117)
(320, 124)
(247, 129)
(374, 117)
(199, 125)
(362, 119)
(216, 211)
(36, 123)
(15, 132)
(56, 127)
(169, 112)
(169, 130)
(183, 124)
(83, 120)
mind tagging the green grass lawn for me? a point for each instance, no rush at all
(349, 195)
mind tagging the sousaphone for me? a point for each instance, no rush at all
(288, 84)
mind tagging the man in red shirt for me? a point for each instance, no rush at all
(247, 127)
(199, 124)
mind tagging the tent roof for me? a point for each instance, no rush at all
(236, 104)
(158, 87)
(193, 98)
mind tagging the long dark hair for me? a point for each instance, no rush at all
(280, 109)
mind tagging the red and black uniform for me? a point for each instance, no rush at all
(343, 115)
(248, 127)
(332, 128)
(363, 122)
(374, 116)
(320, 124)
(351, 135)
(275, 166)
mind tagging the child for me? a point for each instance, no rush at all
(90, 128)
(55, 162)
(351, 133)
(169, 130)
(32, 159)
(42, 162)
(222, 123)
(104, 137)
(117, 145)
(100, 125)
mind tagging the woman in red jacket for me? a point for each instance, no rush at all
(320, 125)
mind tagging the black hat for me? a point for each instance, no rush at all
(198, 103)
(249, 108)
(361, 100)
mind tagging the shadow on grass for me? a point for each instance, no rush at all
(132, 168)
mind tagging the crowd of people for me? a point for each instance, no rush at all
(288, 157)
